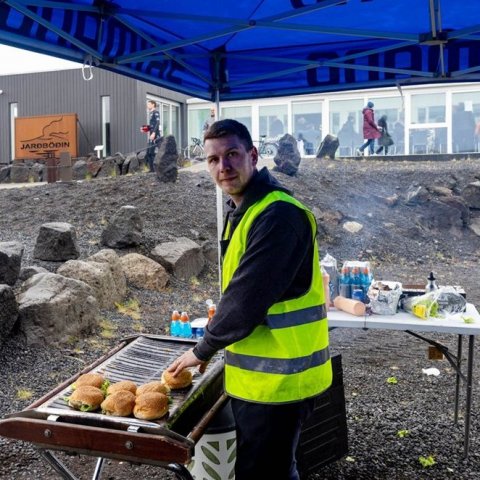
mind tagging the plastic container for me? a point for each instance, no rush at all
(326, 287)
(175, 324)
(216, 451)
(198, 327)
(185, 326)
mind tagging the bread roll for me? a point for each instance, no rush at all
(350, 306)
(182, 380)
(86, 398)
(119, 403)
(151, 405)
(155, 386)
(89, 379)
(123, 385)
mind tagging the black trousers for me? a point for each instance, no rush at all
(267, 438)
(150, 155)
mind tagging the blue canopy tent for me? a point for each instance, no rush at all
(256, 48)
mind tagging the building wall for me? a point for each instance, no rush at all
(66, 91)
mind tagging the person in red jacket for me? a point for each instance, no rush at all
(370, 130)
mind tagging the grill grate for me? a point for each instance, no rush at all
(141, 361)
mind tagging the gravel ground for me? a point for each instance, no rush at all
(394, 239)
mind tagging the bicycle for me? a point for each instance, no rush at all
(268, 148)
(194, 150)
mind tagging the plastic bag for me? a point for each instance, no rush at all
(329, 263)
(437, 303)
(384, 297)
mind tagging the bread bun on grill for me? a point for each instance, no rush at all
(89, 379)
(182, 380)
(151, 405)
(155, 386)
(86, 398)
(119, 403)
(127, 385)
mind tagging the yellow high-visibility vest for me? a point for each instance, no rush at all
(286, 359)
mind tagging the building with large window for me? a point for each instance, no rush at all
(110, 108)
(424, 119)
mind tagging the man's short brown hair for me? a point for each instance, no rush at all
(224, 128)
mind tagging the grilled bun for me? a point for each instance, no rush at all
(150, 405)
(155, 386)
(119, 403)
(89, 379)
(182, 380)
(123, 385)
(86, 398)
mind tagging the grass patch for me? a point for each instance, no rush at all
(131, 308)
(24, 394)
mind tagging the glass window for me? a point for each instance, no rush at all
(307, 125)
(106, 137)
(196, 120)
(428, 140)
(175, 131)
(166, 129)
(465, 122)
(273, 120)
(13, 116)
(392, 108)
(346, 121)
(427, 108)
(241, 114)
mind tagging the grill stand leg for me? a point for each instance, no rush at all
(181, 472)
(98, 468)
(57, 465)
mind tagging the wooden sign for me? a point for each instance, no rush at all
(45, 136)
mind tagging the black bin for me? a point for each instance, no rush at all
(324, 437)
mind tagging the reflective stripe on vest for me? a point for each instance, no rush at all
(287, 358)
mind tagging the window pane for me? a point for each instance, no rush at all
(106, 138)
(176, 123)
(307, 125)
(346, 122)
(428, 140)
(241, 114)
(392, 108)
(465, 121)
(166, 119)
(273, 120)
(428, 108)
(196, 119)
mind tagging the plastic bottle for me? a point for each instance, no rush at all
(326, 287)
(356, 281)
(185, 326)
(365, 279)
(175, 324)
(212, 308)
(344, 286)
(431, 284)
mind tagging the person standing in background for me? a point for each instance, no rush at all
(153, 133)
(370, 130)
(385, 139)
(209, 121)
(275, 333)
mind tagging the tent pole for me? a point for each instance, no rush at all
(219, 201)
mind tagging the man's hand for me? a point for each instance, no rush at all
(188, 359)
(152, 136)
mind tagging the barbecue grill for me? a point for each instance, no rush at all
(50, 424)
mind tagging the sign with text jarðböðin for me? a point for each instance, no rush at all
(45, 136)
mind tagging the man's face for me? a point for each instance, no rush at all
(150, 106)
(230, 164)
